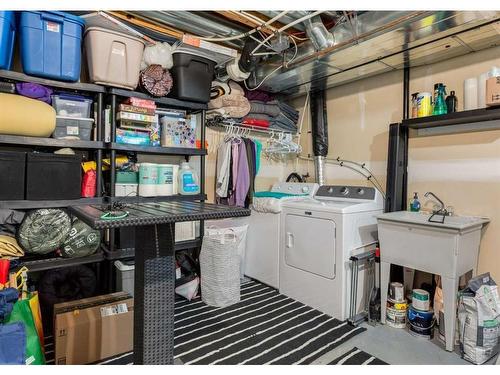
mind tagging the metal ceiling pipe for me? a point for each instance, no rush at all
(190, 22)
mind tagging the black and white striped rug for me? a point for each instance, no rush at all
(264, 328)
(356, 356)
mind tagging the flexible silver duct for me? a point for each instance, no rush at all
(319, 166)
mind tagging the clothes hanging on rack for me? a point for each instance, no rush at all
(236, 168)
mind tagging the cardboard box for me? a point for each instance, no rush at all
(92, 329)
(493, 91)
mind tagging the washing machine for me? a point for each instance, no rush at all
(318, 236)
(263, 236)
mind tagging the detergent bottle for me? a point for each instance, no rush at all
(188, 180)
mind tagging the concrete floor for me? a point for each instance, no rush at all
(397, 347)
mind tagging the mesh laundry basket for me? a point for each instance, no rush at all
(220, 268)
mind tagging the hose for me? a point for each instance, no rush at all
(369, 178)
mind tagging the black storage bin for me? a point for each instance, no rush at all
(192, 75)
(12, 170)
(52, 177)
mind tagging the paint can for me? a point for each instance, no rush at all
(421, 323)
(395, 318)
(424, 104)
(420, 299)
(398, 305)
(396, 292)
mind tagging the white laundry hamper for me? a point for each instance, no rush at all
(220, 267)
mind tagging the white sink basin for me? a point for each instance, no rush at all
(459, 223)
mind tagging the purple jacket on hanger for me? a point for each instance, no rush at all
(243, 177)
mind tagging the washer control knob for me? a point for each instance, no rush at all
(344, 190)
(361, 191)
(330, 190)
(305, 189)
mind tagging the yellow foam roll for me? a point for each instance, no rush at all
(24, 116)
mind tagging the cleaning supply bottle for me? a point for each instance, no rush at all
(415, 203)
(451, 102)
(188, 180)
(439, 100)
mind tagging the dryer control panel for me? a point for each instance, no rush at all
(347, 192)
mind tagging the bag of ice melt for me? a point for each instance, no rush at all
(479, 319)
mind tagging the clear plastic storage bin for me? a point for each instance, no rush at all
(73, 128)
(71, 106)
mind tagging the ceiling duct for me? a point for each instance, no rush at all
(320, 37)
(377, 42)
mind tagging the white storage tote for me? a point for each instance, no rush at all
(113, 58)
(220, 268)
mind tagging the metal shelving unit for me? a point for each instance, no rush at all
(114, 148)
(31, 205)
(166, 198)
(184, 151)
(99, 149)
(483, 119)
(16, 140)
(477, 120)
(58, 262)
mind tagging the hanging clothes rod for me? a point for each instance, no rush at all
(229, 124)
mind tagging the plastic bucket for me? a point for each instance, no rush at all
(421, 323)
(165, 184)
(7, 35)
(148, 179)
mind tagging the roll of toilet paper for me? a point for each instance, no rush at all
(470, 94)
(481, 89)
(146, 190)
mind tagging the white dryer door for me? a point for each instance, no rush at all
(310, 244)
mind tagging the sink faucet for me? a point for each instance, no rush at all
(442, 210)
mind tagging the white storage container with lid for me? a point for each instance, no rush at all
(114, 58)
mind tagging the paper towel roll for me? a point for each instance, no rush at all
(481, 90)
(175, 187)
(470, 94)
(165, 179)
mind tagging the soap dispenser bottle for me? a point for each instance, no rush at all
(415, 203)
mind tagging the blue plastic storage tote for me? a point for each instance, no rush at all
(7, 33)
(51, 44)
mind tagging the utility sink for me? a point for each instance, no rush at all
(449, 249)
(451, 222)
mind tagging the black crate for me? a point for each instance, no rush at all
(53, 177)
(12, 170)
(192, 77)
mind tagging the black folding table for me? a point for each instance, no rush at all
(154, 297)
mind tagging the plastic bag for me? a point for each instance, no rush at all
(159, 53)
(22, 313)
(89, 184)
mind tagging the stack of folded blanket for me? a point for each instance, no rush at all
(275, 114)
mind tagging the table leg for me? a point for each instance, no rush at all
(385, 274)
(450, 289)
(154, 284)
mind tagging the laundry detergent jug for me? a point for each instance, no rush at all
(188, 180)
